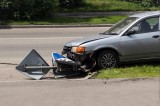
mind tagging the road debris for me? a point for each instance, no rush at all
(34, 66)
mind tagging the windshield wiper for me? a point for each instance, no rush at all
(103, 33)
(113, 33)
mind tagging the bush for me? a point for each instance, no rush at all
(43, 9)
(22, 9)
(26, 9)
(79, 3)
(5, 9)
(71, 3)
(147, 3)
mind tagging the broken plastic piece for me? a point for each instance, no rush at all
(65, 66)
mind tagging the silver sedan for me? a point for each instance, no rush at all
(134, 38)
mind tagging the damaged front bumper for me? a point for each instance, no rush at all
(86, 60)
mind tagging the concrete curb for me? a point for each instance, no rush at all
(54, 26)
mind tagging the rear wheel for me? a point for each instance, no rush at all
(107, 59)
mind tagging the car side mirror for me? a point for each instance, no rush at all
(102, 33)
(130, 32)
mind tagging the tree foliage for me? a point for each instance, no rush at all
(71, 3)
(26, 9)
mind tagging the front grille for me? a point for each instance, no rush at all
(67, 48)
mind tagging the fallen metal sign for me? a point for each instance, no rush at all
(34, 66)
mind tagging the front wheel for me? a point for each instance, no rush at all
(107, 59)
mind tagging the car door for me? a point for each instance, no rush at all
(144, 43)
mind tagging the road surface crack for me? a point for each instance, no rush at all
(9, 63)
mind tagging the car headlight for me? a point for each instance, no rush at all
(79, 49)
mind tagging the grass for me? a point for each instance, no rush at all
(108, 5)
(143, 71)
(67, 20)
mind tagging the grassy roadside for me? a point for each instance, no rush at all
(108, 5)
(90, 6)
(67, 20)
(143, 71)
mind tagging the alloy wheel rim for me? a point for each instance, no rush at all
(108, 61)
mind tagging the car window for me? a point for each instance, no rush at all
(147, 25)
(121, 26)
(154, 23)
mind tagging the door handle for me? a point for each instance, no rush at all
(155, 36)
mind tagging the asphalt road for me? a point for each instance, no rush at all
(18, 90)
(142, 92)
(16, 43)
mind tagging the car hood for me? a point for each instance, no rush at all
(86, 40)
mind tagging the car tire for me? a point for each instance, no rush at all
(107, 59)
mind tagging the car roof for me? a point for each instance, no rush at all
(146, 14)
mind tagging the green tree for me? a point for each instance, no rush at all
(5, 9)
(71, 3)
(26, 9)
